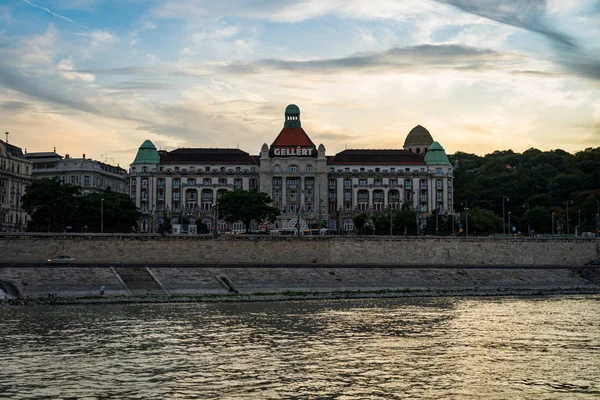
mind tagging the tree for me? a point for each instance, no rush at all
(360, 221)
(51, 204)
(118, 211)
(245, 206)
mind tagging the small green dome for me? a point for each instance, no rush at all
(147, 154)
(436, 155)
(292, 117)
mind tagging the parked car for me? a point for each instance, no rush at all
(60, 260)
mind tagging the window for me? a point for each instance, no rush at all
(346, 169)
(277, 182)
(378, 182)
(86, 180)
(362, 170)
(238, 169)
(237, 183)
(309, 168)
(253, 169)
(347, 183)
(438, 184)
(222, 182)
(72, 179)
(438, 170)
(277, 168)
(207, 181)
(207, 169)
(331, 169)
(293, 168)
(407, 170)
(376, 169)
(362, 182)
(394, 182)
(392, 169)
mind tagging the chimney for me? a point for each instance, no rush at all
(66, 156)
(55, 149)
(84, 156)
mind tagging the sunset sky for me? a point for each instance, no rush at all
(99, 77)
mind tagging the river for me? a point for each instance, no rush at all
(407, 348)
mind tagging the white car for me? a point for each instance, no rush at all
(60, 260)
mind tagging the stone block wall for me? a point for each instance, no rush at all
(308, 250)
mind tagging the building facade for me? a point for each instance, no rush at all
(93, 176)
(304, 183)
(15, 175)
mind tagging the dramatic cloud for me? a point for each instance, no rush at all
(532, 16)
(395, 59)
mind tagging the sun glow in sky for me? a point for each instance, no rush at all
(101, 76)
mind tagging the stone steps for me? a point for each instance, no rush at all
(140, 281)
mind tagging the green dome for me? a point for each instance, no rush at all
(292, 117)
(147, 154)
(436, 155)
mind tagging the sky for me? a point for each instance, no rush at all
(98, 77)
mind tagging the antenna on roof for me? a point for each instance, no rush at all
(55, 149)
(6, 133)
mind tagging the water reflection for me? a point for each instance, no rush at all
(506, 348)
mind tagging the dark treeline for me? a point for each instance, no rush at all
(57, 207)
(535, 184)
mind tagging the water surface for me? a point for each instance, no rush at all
(418, 348)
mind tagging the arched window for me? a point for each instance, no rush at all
(277, 168)
(293, 168)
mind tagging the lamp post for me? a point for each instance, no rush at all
(568, 201)
(509, 225)
(579, 222)
(552, 224)
(466, 219)
(391, 232)
(503, 217)
(102, 215)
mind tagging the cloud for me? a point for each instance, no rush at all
(524, 14)
(395, 59)
(532, 16)
(140, 85)
(15, 106)
(66, 69)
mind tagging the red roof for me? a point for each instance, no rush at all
(292, 137)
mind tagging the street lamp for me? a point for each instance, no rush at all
(552, 224)
(509, 226)
(568, 201)
(579, 222)
(466, 219)
(102, 215)
(503, 217)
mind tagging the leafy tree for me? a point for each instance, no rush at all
(50, 204)
(245, 206)
(481, 222)
(53, 206)
(115, 210)
(360, 222)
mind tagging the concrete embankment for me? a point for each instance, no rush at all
(465, 266)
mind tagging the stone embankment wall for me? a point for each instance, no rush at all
(139, 282)
(346, 250)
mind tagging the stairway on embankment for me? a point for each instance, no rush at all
(140, 281)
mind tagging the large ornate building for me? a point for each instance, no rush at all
(93, 176)
(304, 183)
(15, 174)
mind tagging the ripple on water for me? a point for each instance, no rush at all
(506, 348)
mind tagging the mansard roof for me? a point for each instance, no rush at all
(370, 157)
(292, 137)
(207, 156)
